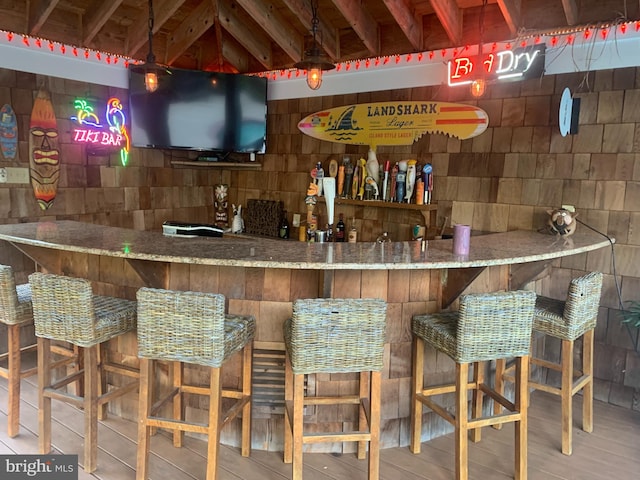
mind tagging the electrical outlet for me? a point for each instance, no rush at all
(296, 219)
(3, 175)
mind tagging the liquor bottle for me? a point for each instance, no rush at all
(284, 226)
(340, 230)
(353, 232)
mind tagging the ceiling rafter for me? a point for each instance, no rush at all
(95, 20)
(328, 36)
(138, 31)
(218, 33)
(570, 11)
(407, 21)
(257, 43)
(511, 12)
(282, 32)
(190, 30)
(362, 23)
(39, 11)
(450, 17)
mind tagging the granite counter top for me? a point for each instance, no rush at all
(486, 250)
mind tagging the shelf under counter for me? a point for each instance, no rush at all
(429, 211)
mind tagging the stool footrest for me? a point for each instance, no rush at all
(336, 437)
(337, 400)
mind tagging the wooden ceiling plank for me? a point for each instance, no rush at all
(570, 11)
(282, 32)
(450, 17)
(302, 9)
(39, 11)
(138, 31)
(407, 21)
(95, 20)
(191, 29)
(511, 12)
(257, 43)
(362, 23)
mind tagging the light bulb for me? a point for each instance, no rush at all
(314, 78)
(478, 87)
(151, 81)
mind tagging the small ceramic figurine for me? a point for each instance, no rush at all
(237, 226)
(562, 222)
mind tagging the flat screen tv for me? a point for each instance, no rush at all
(198, 110)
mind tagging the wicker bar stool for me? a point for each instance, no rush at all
(486, 327)
(191, 327)
(334, 336)
(16, 312)
(569, 320)
(66, 309)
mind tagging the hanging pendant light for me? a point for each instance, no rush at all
(314, 62)
(150, 68)
(479, 85)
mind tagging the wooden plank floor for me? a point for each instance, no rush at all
(611, 451)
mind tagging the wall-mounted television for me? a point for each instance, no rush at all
(198, 110)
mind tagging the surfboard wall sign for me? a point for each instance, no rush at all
(8, 132)
(44, 154)
(394, 123)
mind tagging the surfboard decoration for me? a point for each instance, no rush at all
(394, 123)
(44, 155)
(8, 132)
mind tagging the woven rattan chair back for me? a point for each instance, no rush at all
(583, 301)
(64, 308)
(336, 335)
(15, 301)
(183, 327)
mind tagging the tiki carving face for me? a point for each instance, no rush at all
(44, 155)
(221, 204)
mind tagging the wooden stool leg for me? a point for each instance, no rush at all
(102, 380)
(418, 386)
(44, 403)
(461, 430)
(178, 410)
(522, 406)
(144, 409)
(215, 420)
(501, 364)
(567, 397)
(247, 362)
(587, 392)
(288, 401)
(13, 374)
(298, 425)
(478, 395)
(365, 395)
(374, 426)
(91, 408)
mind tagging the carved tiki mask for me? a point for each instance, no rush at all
(221, 204)
(44, 155)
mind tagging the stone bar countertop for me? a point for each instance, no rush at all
(485, 250)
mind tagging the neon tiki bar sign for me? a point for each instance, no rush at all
(517, 64)
(102, 137)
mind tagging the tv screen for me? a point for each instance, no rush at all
(199, 110)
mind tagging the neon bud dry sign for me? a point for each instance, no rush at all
(504, 65)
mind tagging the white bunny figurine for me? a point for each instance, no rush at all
(238, 223)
